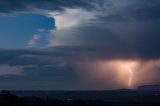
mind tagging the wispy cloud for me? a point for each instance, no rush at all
(33, 42)
(10, 70)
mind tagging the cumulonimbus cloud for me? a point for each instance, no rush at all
(104, 30)
(118, 27)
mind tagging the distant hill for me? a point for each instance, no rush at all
(81, 98)
(149, 87)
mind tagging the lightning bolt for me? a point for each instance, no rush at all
(128, 67)
(130, 76)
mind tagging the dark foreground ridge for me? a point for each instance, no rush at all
(80, 98)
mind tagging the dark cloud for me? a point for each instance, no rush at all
(39, 67)
(7, 6)
(127, 10)
(132, 40)
(123, 29)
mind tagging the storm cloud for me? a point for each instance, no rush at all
(85, 30)
(30, 5)
(116, 27)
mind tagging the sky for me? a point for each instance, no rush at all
(79, 44)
